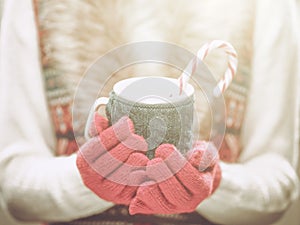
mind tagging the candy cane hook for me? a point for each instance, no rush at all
(201, 54)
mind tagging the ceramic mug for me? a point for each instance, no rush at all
(160, 113)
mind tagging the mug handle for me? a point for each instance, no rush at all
(99, 102)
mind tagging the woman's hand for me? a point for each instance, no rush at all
(177, 185)
(112, 163)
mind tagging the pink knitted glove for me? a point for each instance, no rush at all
(177, 185)
(112, 163)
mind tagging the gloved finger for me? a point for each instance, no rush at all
(98, 145)
(171, 156)
(108, 162)
(171, 188)
(137, 163)
(136, 176)
(95, 147)
(98, 124)
(203, 156)
(114, 186)
(136, 143)
(217, 174)
(128, 193)
(150, 200)
(122, 194)
(121, 175)
(90, 177)
(194, 155)
(189, 176)
(202, 161)
(92, 150)
(138, 205)
(117, 133)
(126, 148)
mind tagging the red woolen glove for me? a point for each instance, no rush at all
(112, 163)
(177, 185)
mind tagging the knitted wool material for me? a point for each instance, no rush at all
(107, 158)
(180, 192)
(157, 123)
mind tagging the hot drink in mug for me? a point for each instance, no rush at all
(160, 113)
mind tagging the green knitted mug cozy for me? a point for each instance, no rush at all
(157, 123)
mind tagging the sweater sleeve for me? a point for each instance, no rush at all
(262, 185)
(34, 184)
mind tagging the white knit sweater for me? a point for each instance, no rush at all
(36, 186)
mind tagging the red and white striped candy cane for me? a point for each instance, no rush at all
(201, 54)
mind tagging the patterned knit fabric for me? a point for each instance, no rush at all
(163, 118)
(235, 99)
(58, 94)
(60, 97)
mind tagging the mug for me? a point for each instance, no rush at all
(159, 111)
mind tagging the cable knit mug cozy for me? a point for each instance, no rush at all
(161, 113)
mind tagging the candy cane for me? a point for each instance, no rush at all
(201, 54)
